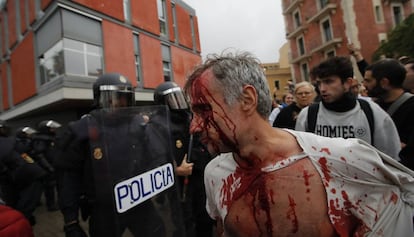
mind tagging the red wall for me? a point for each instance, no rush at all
(145, 17)
(151, 61)
(112, 8)
(11, 18)
(118, 50)
(23, 71)
(4, 85)
(183, 64)
(184, 26)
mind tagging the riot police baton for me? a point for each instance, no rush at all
(188, 159)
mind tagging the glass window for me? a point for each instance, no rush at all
(127, 10)
(398, 14)
(82, 58)
(296, 18)
(304, 72)
(161, 17)
(137, 60)
(301, 46)
(166, 62)
(326, 30)
(174, 23)
(323, 3)
(51, 63)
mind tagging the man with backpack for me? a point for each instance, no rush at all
(384, 81)
(341, 114)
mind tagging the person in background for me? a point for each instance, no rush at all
(287, 99)
(359, 90)
(408, 83)
(44, 144)
(341, 114)
(359, 58)
(304, 95)
(384, 81)
(268, 181)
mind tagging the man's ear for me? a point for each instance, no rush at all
(348, 83)
(249, 98)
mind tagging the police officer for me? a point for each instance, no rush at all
(100, 152)
(23, 177)
(44, 145)
(191, 158)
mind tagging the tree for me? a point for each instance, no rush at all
(400, 41)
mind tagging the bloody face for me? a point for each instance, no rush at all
(212, 117)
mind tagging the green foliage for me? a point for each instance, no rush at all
(400, 41)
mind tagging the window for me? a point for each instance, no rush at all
(301, 46)
(137, 60)
(397, 13)
(304, 71)
(166, 62)
(296, 19)
(127, 10)
(323, 3)
(66, 49)
(326, 30)
(193, 35)
(277, 84)
(162, 17)
(330, 54)
(70, 57)
(174, 18)
(379, 17)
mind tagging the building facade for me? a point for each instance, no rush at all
(51, 52)
(279, 75)
(317, 29)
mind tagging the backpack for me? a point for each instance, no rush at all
(313, 114)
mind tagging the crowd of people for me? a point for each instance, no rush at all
(335, 158)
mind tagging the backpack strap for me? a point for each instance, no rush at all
(312, 116)
(396, 104)
(370, 116)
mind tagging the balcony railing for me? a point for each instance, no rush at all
(327, 45)
(330, 8)
(292, 6)
(299, 30)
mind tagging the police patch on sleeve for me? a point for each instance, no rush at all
(140, 188)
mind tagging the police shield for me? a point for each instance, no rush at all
(133, 172)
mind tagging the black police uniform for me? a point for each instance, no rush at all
(196, 219)
(100, 150)
(20, 179)
(44, 145)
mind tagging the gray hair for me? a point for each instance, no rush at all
(233, 72)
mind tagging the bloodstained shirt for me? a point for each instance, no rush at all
(359, 180)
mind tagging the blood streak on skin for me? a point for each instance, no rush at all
(306, 176)
(291, 214)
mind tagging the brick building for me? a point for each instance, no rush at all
(51, 51)
(317, 29)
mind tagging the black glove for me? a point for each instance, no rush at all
(74, 230)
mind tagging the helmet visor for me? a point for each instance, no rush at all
(115, 96)
(175, 99)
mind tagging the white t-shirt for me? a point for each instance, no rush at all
(380, 191)
(354, 124)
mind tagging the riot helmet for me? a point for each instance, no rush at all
(4, 129)
(169, 93)
(24, 139)
(48, 127)
(112, 90)
(25, 132)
